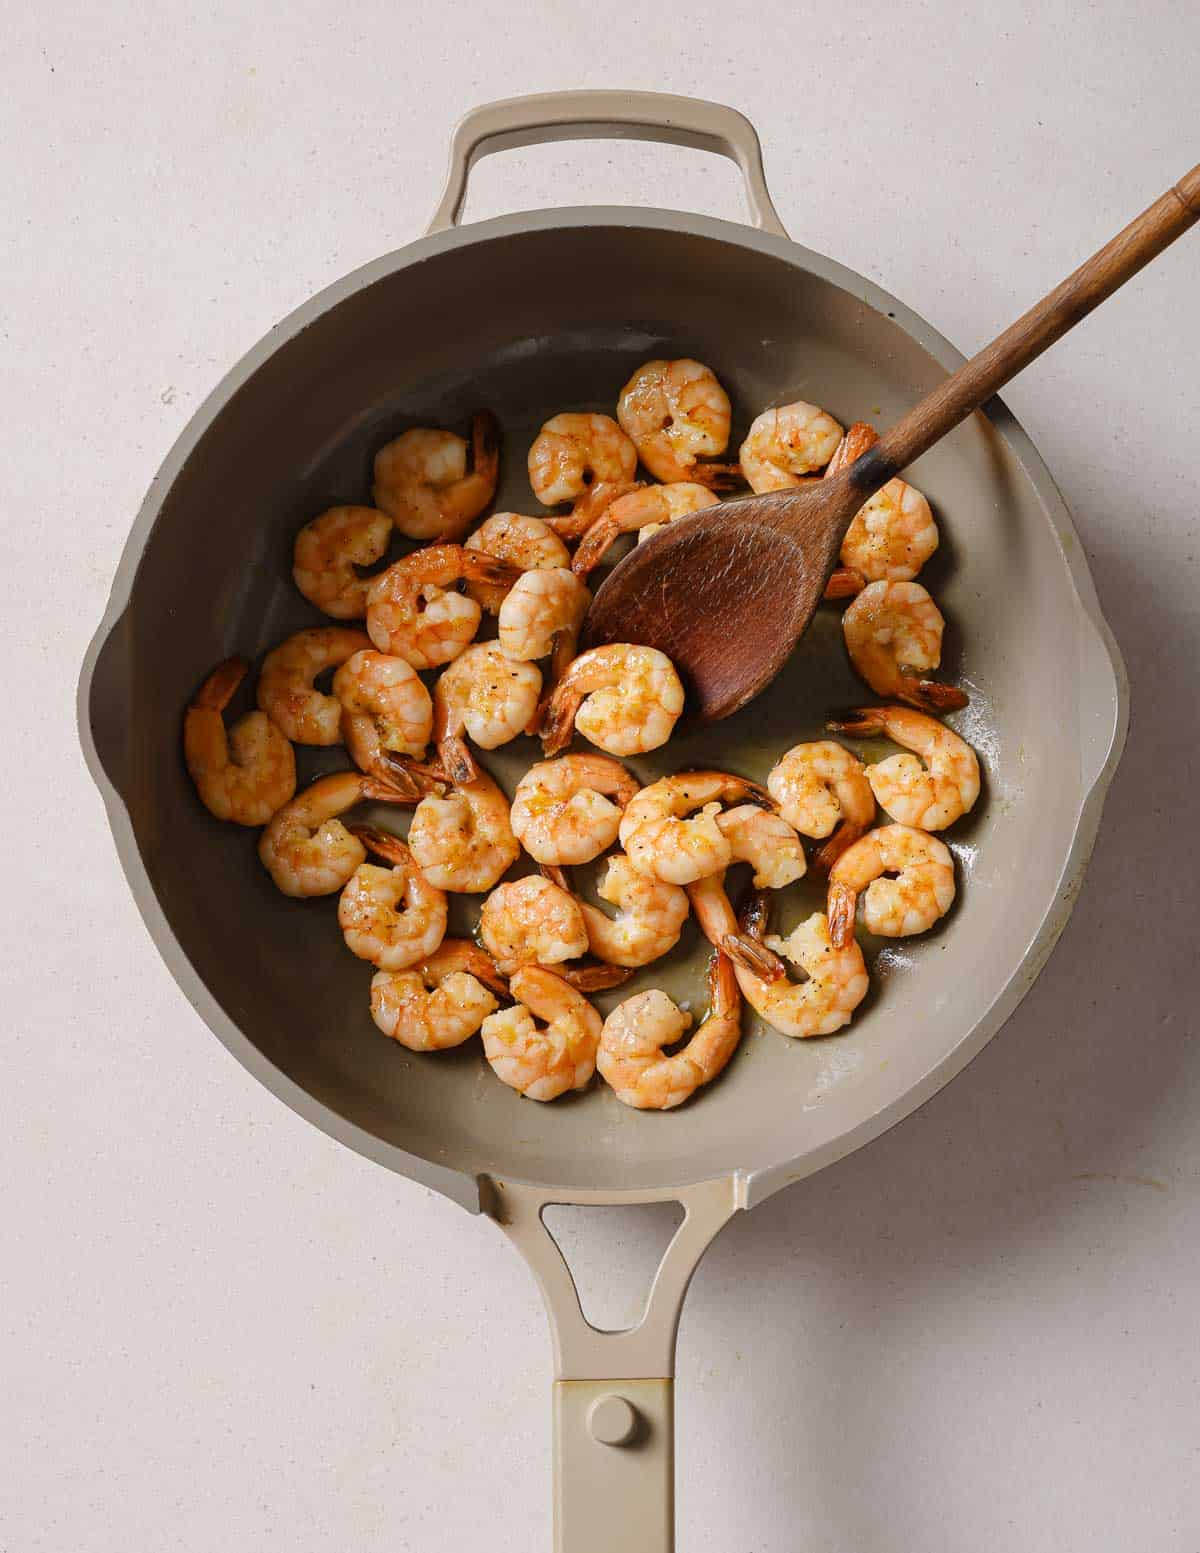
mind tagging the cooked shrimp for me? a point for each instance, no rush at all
(931, 796)
(573, 452)
(622, 698)
(767, 842)
(543, 1060)
(385, 707)
(390, 916)
(786, 444)
(822, 790)
(541, 609)
(464, 842)
(643, 511)
(328, 550)
(531, 921)
(650, 914)
(244, 774)
(666, 838)
(286, 692)
(415, 611)
(567, 810)
(892, 535)
(632, 1041)
(835, 981)
(486, 696)
(921, 891)
(677, 413)
(439, 1003)
(306, 849)
(529, 544)
(893, 633)
(421, 478)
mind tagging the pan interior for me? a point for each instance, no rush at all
(531, 323)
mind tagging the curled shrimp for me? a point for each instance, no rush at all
(643, 512)
(822, 790)
(677, 413)
(567, 810)
(929, 796)
(542, 614)
(893, 633)
(671, 829)
(421, 478)
(415, 611)
(650, 914)
(306, 849)
(574, 453)
(529, 544)
(328, 550)
(244, 774)
(485, 695)
(464, 842)
(286, 692)
(834, 980)
(908, 876)
(386, 710)
(623, 698)
(531, 921)
(546, 1042)
(786, 444)
(441, 1002)
(631, 1055)
(391, 916)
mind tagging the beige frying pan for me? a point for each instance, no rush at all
(533, 314)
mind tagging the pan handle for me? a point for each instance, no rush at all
(614, 1413)
(658, 116)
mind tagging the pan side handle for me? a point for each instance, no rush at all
(657, 116)
(614, 1460)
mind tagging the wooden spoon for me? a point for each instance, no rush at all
(728, 591)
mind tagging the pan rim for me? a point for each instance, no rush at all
(470, 1191)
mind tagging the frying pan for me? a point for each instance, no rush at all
(533, 314)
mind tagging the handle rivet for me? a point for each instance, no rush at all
(612, 1420)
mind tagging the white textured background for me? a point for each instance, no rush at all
(221, 1330)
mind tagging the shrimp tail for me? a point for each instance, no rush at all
(753, 957)
(556, 875)
(485, 444)
(718, 477)
(387, 791)
(460, 764)
(406, 776)
(479, 566)
(844, 583)
(930, 695)
(861, 723)
(219, 688)
(859, 439)
(594, 545)
(840, 909)
(382, 843)
(558, 720)
(842, 839)
(593, 978)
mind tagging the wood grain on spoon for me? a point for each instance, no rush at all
(727, 592)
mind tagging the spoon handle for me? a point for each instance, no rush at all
(1048, 320)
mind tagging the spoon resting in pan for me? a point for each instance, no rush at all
(727, 592)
